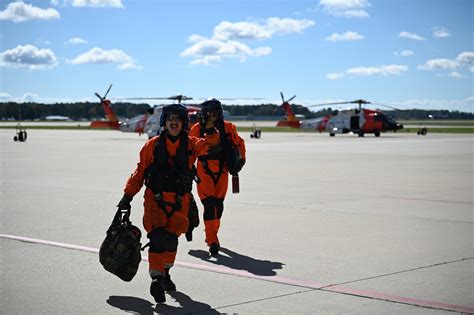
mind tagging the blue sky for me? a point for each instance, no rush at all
(409, 53)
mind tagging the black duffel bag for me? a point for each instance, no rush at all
(120, 252)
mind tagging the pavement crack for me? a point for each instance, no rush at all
(259, 300)
(397, 272)
(311, 208)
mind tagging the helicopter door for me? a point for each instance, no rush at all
(355, 122)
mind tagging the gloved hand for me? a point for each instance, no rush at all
(124, 203)
(207, 124)
(241, 163)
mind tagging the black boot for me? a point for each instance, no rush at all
(168, 285)
(214, 249)
(156, 289)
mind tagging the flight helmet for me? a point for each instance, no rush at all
(210, 106)
(175, 109)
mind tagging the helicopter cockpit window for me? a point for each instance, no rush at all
(390, 119)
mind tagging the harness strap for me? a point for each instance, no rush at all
(214, 175)
(174, 206)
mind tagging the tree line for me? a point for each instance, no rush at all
(89, 111)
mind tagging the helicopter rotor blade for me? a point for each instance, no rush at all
(389, 106)
(282, 97)
(325, 104)
(174, 97)
(291, 98)
(105, 95)
(145, 98)
(97, 94)
(238, 98)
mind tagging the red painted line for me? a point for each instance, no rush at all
(50, 243)
(277, 279)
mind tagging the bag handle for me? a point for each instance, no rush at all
(119, 219)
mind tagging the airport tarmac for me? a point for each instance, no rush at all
(321, 225)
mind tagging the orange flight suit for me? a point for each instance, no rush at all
(164, 231)
(213, 187)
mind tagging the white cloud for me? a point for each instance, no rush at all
(5, 97)
(334, 76)
(89, 3)
(345, 36)
(439, 64)
(346, 8)
(99, 56)
(227, 36)
(455, 74)
(77, 41)
(28, 56)
(440, 32)
(21, 12)
(405, 53)
(255, 31)
(196, 38)
(471, 69)
(287, 26)
(210, 50)
(382, 70)
(206, 60)
(43, 42)
(240, 30)
(410, 36)
(466, 58)
(27, 97)
(97, 3)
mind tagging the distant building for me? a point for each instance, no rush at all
(57, 118)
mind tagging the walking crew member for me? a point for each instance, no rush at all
(213, 169)
(166, 169)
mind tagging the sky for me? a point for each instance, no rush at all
(406, 53)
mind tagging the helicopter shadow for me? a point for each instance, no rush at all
(238, 261)
(140, 306)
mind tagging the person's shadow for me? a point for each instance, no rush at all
(140, 306)
(238, 261)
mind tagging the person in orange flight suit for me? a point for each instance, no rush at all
(166, 167)
(213, 169)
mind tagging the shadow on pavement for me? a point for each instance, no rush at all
(238, 261)
(144, 307)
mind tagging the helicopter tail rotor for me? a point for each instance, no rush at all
(288, 100)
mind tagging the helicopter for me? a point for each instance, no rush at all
(135, 124)
(152, 125)
(153, 128)
(148, 123)
(359, 120)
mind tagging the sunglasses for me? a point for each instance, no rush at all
(174, 118)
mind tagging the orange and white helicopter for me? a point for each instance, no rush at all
(148, 123)
(136, 124)
(358, 121)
